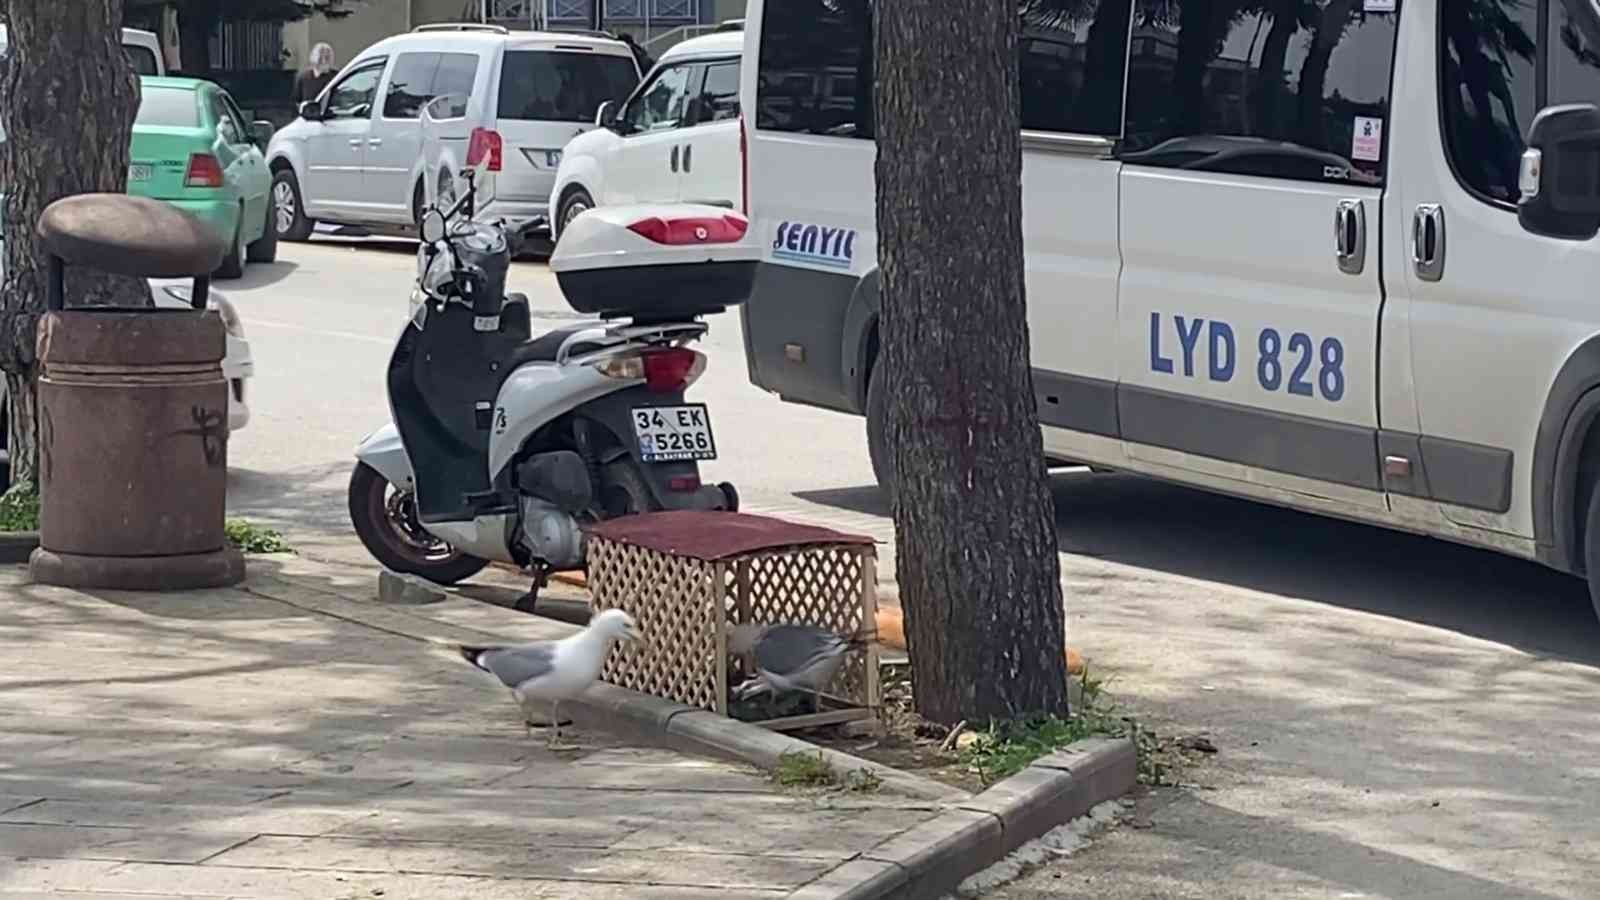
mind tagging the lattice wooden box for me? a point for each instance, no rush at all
(686, 576)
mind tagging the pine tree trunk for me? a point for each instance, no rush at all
(976, 541)
(70, 98)
(22, 429)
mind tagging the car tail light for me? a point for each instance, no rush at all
(204, 171)
(744, 168)
(718, 230)
(485, 144)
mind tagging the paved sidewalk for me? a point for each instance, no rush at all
(295, 739)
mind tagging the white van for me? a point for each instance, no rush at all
(675, 139)
(358, 154)
(1275, 256)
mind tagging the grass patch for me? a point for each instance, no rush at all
(19, 509)
(1006, 748)
(807, 770)
(254, 539)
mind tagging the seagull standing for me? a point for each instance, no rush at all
(790, 657)
(554, 670)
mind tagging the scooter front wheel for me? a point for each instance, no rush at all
(385, 518)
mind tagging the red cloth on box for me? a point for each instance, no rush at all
(710, 535)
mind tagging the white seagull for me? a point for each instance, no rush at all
(554, 671)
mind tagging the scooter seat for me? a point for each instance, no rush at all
(542, 348)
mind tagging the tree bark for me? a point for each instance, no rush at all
(70, 98)
(976, 540)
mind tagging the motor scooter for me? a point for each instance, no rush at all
(504, 446)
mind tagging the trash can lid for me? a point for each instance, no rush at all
(130, 236)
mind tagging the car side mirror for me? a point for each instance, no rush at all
(605, 114)
(311, 111)
(261, 133)
(1560, 173)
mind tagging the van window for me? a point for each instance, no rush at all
(817, 66)
(142, 59)
(1072, 66)
(1286, 88)
(660, 105)
(455, 76)
(352, 97)
(168, 107)
(1574, 59)
(408, 85)
(1487, 91)
(718, 98)
(815, 73)
(553, 86)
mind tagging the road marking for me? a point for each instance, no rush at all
(347, 335)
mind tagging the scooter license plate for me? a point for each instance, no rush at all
(674, 433)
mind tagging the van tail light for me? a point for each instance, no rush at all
(664, 370)
(485, 145)
(204, 171)
(705, 230)
(744, 168)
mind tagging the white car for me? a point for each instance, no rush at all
(358, 154)
(675, 139)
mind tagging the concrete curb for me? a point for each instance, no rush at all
(933, 858)
(16, 547)
(688, 729)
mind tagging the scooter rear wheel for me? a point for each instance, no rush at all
(385, 519)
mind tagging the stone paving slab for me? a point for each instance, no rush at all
(295, 739)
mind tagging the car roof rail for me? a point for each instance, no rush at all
(589, 32)
(462, 26)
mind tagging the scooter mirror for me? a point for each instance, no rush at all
(432, 226)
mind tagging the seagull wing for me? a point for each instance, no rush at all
(799, 655)
(514, 666)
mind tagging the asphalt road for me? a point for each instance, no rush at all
(1396, 717)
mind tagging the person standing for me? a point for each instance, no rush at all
(309, 82)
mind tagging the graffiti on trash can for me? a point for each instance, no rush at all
(211, 426)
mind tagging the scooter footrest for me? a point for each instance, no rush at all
(487, 503)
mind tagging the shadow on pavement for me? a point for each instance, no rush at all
(1166, 528)
(256, 275)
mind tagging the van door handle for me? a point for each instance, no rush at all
(1350, 236)
(1427, 241)
(674, 157)
(374, 142)
(688, 150)
(355, 143)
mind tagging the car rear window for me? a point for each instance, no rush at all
(559, 86)
(169, 107)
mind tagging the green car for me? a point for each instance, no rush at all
(193, 148)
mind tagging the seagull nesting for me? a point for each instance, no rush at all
(790, 657)
(554, 671)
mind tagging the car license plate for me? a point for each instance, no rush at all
(674, 433)
(139, 172)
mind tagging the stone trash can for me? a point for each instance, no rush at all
(133, 408)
